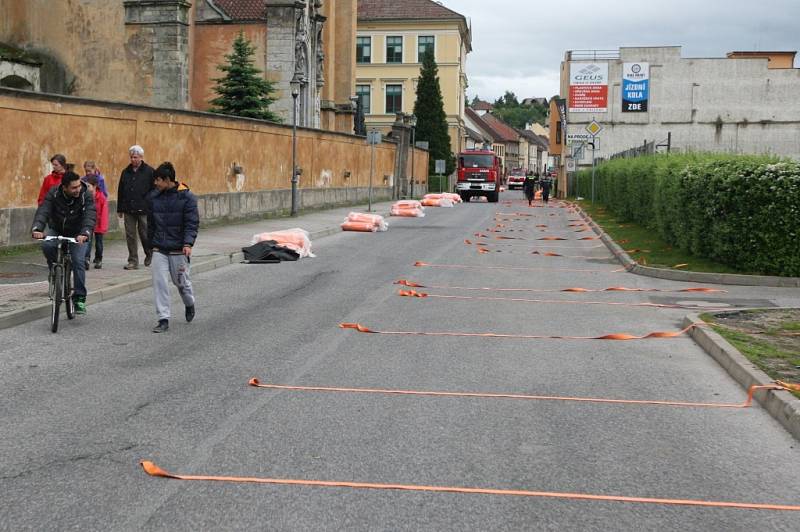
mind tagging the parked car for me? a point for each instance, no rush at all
(515, 181)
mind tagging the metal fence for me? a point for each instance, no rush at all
(647, 148)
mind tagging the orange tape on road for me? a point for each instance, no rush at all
(422, 295)
(153, 470)
(746, 404)
(412, 284)
(615, 336)
(421, 264)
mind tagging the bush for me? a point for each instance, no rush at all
(742, 211)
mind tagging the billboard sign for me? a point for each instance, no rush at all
(635, 87)
(588, 87)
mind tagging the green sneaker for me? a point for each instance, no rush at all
(80, 305)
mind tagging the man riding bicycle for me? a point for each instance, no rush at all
(67, 210)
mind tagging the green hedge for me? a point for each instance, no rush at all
(743, 211)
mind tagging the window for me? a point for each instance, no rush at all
(558, 132)
(363, 93)
(394, 99)
(424, 43)
(477, 161)
(394, 49)
(363, 49)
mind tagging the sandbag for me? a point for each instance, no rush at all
(440, 202)
(374, 219)
(296, 239)
(364, 227)
(408, 204)
(407, 212)
(455, 198)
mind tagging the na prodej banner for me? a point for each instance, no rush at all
(588, 87)
(635, 87)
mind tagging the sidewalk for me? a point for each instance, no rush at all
(23, 277)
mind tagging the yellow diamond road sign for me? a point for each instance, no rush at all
(594, 128)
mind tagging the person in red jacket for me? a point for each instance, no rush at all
(53, 179)
(101, 226)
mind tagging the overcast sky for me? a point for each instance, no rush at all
(519, 44)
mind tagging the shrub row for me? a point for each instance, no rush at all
(743, 211)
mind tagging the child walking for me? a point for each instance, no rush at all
(101, 226)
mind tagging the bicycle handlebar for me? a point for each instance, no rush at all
(59, 237)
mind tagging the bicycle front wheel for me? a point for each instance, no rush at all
(58, 295)
(69, 303)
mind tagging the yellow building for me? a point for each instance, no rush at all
(391, 39)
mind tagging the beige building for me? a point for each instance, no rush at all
(390, 40)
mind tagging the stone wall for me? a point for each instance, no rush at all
(238, 167)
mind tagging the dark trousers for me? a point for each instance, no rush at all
(135, 224)
(98, 248)
(78, 252)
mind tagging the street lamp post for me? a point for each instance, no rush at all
(413, 123)
(295, 85)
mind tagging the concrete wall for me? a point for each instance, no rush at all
(716, 105)
(203, 147)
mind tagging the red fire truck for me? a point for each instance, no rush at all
(479, 174)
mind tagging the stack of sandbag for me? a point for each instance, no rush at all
(436, 200)
(452, 196)
(409, 208)
(359, 221)
(295, 239)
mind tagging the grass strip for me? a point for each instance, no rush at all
(645, 246)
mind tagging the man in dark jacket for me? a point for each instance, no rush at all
(172, 223)
(135, 183)
(67, 210)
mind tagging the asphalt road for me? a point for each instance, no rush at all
(80, 409)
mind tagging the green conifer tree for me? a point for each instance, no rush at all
(431, 118)
(243, 92)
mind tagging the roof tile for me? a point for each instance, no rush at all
(404, 9)
(243, 9)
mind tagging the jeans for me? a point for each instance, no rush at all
(135, 224)
(98, 248)
(78, 252)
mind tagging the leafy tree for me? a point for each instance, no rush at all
(510, 110)
(242, 92)
(431, 118)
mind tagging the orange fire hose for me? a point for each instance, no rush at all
(746, 404)
(412, 284)
(415, 294)
(615, 336)
(467, 266)
(153, 470)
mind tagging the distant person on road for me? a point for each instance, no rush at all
(67, 210)
(90, 168)
(529, 187)
(101, 226)
(135, 183)
(172, 224)
(546, 184)
(53, 179)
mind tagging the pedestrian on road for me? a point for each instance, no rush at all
(90, 168)
(101, 226)
(546, 184)
(67, 210)
(53, 179)
(529, 188)
(135, 184)
(172, 223)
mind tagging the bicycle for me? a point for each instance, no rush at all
(60, 280)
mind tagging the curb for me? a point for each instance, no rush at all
(693, 277)
(35, 312)
(782, 405)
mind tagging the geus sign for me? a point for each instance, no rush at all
(635, 87)
(588, 87)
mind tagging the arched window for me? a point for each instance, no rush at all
(16, 82)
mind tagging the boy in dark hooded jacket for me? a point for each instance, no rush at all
(172, 223)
